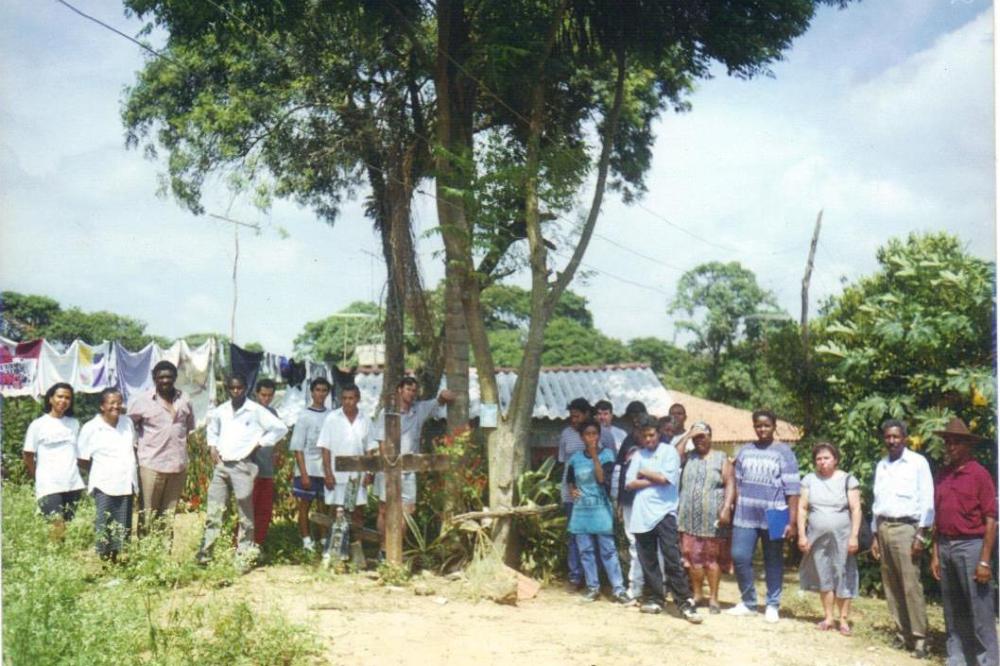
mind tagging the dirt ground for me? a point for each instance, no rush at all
(362, 622)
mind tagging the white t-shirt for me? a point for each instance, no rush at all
(304, 437)
(112, 450)
(343, 438)
(53, 441)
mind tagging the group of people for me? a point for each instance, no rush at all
(142, 451)
(686, 506)
(688, 511)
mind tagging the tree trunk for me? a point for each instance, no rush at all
(455, 107)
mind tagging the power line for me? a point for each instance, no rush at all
(118, 32)
(382, 171)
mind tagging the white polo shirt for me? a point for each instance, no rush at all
(343, 438)
(112, 452)
(53, 441)
(236, 433)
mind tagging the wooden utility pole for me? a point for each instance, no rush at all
(804, 322)
(236, 260)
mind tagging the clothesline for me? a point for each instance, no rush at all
(30, 368)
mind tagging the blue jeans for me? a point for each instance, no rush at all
(608, 553)
(572, 553)
(744, 543)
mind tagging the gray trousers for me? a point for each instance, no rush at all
(237, 476)
(968, 605)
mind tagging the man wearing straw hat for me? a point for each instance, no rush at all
(965, 510)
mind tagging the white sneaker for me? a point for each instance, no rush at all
(307, 544)
(771, 614)
(740, 610)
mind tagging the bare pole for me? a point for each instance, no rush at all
(804, 323)
(236, 258)
(236, 261)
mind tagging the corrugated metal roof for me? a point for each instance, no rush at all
(619, 384)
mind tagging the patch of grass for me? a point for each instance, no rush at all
(62, 605)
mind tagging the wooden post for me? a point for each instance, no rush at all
(393, 466)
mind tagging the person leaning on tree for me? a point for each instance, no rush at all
(965, 520)
(903, 511)
(412, 415)
(163, 419)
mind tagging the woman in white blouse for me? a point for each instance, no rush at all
(107, 448)
(50, 455)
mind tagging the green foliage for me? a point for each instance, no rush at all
(570, 336)
(335, 338)
(62, 607)
(27, 317)
(913, 341)
(741, 352)
(543, 536)
(431, 543)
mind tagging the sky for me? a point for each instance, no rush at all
(881, 115)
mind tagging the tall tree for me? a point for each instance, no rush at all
(300, 100)
(554, 68)
(727, 311)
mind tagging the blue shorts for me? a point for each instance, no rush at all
(315, 488)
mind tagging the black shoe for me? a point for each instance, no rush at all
(690, 613)
(590, 595)
(623, 599)
(574, 586)
(898, 642)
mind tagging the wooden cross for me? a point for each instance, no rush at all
(393, 466)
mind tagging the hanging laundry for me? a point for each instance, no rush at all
(93, 370)
(270, 366)
(294, 373)
(196, 376)
(245, 364)
(19, 367)
(290, 402)
(343, 378)
(171, 353)
(134, 370)
(56, 366)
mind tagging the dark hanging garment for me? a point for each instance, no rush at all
(295, 373)
(245, 364)
(343, 378)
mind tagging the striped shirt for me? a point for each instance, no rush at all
(764, 477)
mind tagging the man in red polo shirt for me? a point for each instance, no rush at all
(965, 509)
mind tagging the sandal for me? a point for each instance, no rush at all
(845, 629)
(824, 625)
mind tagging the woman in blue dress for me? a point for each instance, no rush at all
(588, 476)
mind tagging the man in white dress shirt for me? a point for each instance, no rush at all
(235, 430)
(903, 511)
